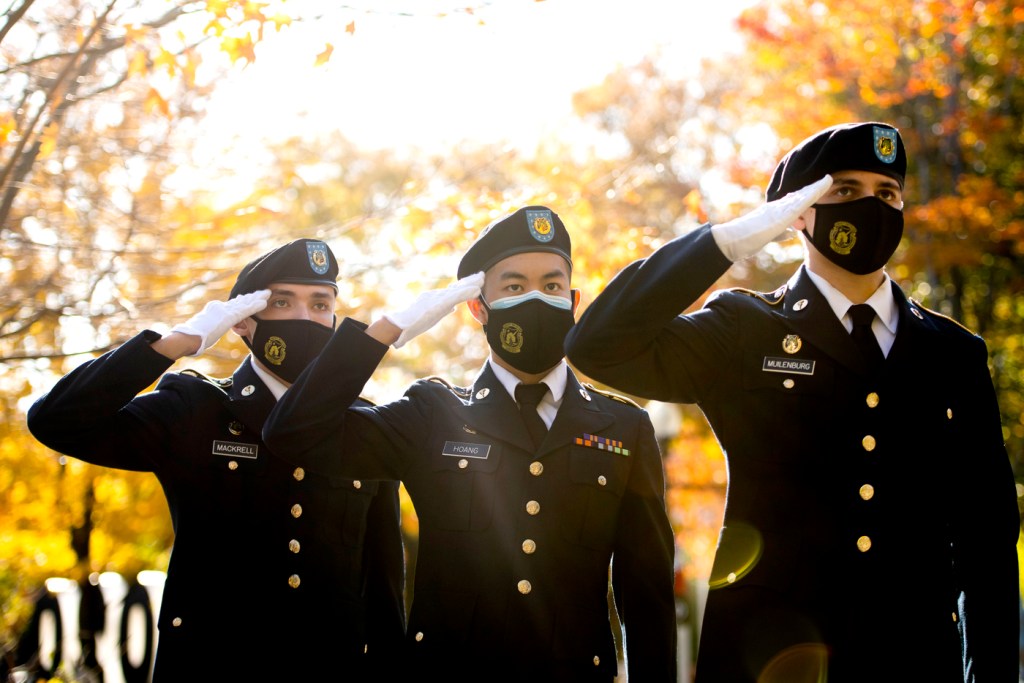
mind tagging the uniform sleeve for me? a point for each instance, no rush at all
(93, 412)
(986, 525)
(633, 337)
(384, 558)
(312, 420)
(643, 565)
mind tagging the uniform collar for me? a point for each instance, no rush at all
(881, 300)
(555, 380)
(276, 386)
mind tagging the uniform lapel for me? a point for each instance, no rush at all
(912, 331)
(250, 399)
(808, 313)
(492, 411)
(578, 413)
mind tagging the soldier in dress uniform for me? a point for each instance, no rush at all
(280, 570)
(519, 530)
(871, 518)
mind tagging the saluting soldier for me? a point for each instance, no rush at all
(871, 518)
(280, 570)
(523, 516)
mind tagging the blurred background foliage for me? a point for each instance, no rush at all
(101, 235)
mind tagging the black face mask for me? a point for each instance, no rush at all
(858, 236)
(528, 331)
(286, 347)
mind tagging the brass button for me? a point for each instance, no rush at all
(536, 468)
(294, 580)
(597, 661)
(235, 427)
(788, 383)
(867, 491)
(463, 464)
(248, 389)
(294, 546)
(872, 400)
(868, 442)
(232, 465)
(299, 474)
(864, 544)
(296, 511)
(601, 480)
(524, 587)
(955, 617)
(176, 621)
(532, 507)
(731, 578)
(949, 413)
(483, 393)
(529, 546)
(356, 484)
(419, 636)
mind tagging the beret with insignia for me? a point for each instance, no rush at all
(531, 228)
(872, 146)
(302, 261)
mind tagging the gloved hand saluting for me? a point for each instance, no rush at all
(429, 307)
(217, 317)
(746, 235)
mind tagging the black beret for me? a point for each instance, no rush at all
(531, 228)
(303, 261)
(870, 146)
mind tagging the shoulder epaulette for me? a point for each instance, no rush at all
(222, 383)
(935, 314)
(612, 395)
(770, 298)
(460, 391)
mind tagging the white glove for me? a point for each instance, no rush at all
(217, 317)
(429, 307)
(746, 235)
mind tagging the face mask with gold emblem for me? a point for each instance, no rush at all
(858, 236)
(286, 347)
(528, 331)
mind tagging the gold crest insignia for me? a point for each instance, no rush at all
(842, 237)
(791, 343)
(512, 337)
(541, 225)
(275, 350)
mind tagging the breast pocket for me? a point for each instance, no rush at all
(597, 483)
(464, 479)
(783, 397)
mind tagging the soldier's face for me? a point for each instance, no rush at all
(290, 301)
(848, 186)
(522, 273)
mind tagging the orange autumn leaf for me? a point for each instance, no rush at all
(324, 56)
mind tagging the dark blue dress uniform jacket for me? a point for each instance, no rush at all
(869, 518)
(515, 545)
(279, 571)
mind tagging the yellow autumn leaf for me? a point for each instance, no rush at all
(325, 55)
(48, 140)
(239, 48)
(155, 102)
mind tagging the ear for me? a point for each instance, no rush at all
(575, 300)
(805, 221)
(476, 307)
(244, 328)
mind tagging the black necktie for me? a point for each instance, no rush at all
(862, 315)
(528, 396)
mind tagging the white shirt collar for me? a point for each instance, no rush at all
(556, 380)
(881, 300)
(276, 386)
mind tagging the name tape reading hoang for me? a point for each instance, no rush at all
(461, 449)
(235, 450)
